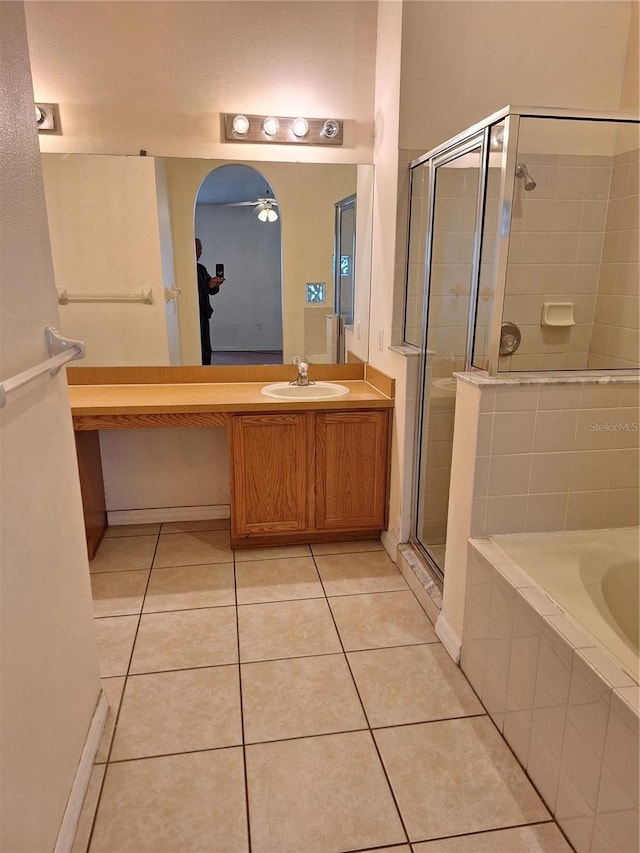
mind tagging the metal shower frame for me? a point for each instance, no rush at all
(459, 144)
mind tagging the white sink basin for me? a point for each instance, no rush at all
(317, 391)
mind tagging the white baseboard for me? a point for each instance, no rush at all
(83, 776)
(448, 637)
(389, 543)
(168, 513)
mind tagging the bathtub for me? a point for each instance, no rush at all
(593, 576)
(550, 645)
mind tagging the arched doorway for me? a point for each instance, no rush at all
(235, 219)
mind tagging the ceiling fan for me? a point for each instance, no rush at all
(265, 207)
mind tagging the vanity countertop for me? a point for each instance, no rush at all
(210, 397)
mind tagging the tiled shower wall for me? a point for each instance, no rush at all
(556, 457)
(615, 341)
(574, 238)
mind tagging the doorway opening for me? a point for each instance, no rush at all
(237, 220)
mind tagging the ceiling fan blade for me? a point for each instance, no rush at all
(258, 201)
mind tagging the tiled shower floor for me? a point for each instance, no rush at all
(287, 699)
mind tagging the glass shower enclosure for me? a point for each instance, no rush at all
(522, 256)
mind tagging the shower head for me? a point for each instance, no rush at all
(523, 172)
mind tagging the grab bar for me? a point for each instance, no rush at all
(145, 296)
(171, 293)
(61, 350)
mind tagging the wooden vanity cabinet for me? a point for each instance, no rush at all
(351, 470)
(271, 474)
(300, 477)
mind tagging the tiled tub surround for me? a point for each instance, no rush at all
(566, 708)
(536, 454)
(592, 574)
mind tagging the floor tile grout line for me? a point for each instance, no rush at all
(406, 588)
(363, 728)
(133, 758)
(383, 848)
(242, 732)
(179, 669)
(366, 716)
(124, 687)
(473, 832)
(333, 654)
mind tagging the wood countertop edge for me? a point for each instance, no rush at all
(248, 399)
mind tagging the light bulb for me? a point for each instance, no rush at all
(330, 128)
(300, 127)
(271, 125)
(267, 214)
(240, 125)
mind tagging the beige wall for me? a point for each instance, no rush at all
(49, 677)
(462, 61)
(156, 75)
(103, 217)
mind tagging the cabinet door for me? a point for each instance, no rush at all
(351, 469)
(270, 482)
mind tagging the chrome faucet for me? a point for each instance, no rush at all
(303, 373)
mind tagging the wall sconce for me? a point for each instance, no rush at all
(239, 127)
(47, 118)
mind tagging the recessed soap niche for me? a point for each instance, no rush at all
(558, 314)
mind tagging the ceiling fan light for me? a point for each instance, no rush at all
(266, 213)
(300, 127)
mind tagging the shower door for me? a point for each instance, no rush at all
(451, 255)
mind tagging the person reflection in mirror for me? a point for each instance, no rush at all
(207, 286)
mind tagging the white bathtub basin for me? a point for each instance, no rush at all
(317, 391)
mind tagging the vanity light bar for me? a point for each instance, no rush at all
(240, 127)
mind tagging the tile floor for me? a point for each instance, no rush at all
(287, 699)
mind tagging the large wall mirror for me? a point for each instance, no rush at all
(122, 236)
